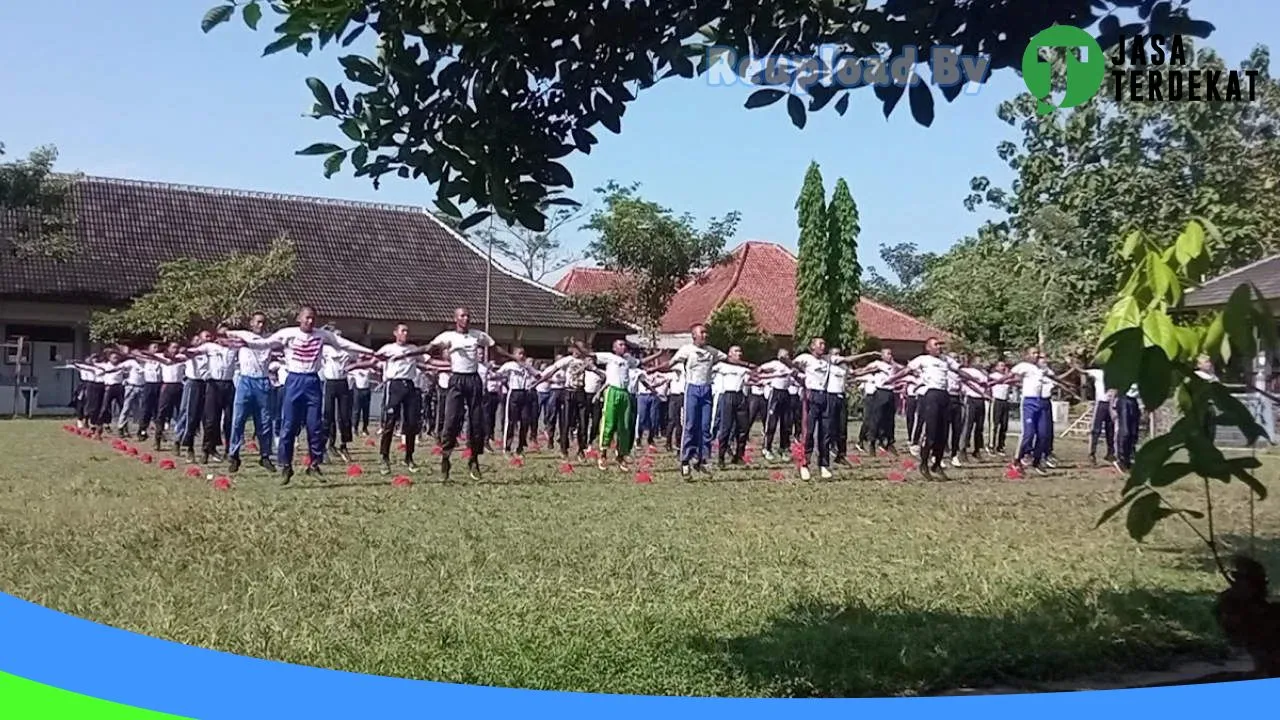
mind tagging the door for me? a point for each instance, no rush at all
(56, 386)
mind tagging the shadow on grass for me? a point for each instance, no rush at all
(1265, 550)
(823, 650)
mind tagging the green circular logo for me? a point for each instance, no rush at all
(1084, 77)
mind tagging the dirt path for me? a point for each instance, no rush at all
(1189, 673)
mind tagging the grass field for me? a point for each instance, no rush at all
(734, 586)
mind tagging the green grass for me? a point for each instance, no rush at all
(739, 586)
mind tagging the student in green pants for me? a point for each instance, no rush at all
(616, 417)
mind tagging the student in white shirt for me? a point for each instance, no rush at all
(975, 409)
(303, 390)
(1128, 422)
(362, 381)
(401, 399)
(593, 386)
(582, 380)
(816, 366)
(757, 405)
(219, 394)
(172, 376)
(673, 412)
(135, 388)
(697, 359)
(999, 406)
(519, 375)
(1103, 425)
(935, 372)
(782, 408)
(494, 390)
(111, 374)
(880, 403)
(1037, 410)
(464, 348)
(733, 411)
(252, 397)
(616, 414)
(87, 375)
(649, 387)
(336, 407)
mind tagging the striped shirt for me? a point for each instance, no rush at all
(303, 351)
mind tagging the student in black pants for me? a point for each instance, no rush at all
(1128, 418)
(733, 410)
(674, 416)
(999, 406)
(402, 399)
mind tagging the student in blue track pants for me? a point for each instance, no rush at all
(303, 390)
(253, 397)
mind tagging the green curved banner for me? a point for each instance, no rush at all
(22, 699)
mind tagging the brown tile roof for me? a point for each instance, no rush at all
(355, 260)
(764, 275)
(1264, 274)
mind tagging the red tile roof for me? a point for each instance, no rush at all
(587, 280)
(764, 275)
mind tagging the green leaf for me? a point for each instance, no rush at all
(474, 219)
(1213, 335)
(333, 164)
(1150, 457)
(319, 149)
(1144, 513)
(1188, 341)
(321, 93)
(251, 14)
(1162, 278)
(216, 16)
(1131, 242)
(1211, 232)
(1126, 313)
(1158, 329)
(360, 157)
(1122, 366)
(761, 98)
(1155, 377)
(447, 207)
(351, 128)
(1170, 473)
(1191, 241)
(285, 41)
(1238, 320)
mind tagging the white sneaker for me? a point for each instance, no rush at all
(768, 456)
(915, 450)
(804, 473)
(955, 462)
(825, 473)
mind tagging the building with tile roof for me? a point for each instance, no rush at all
(762, 274)
(364, 266)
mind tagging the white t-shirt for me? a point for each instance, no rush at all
(1046, 385)
(442, 380)
(758, 389)
(108, 377)
(361, 378)
(677, 382)
(492, 379)
(173, 373)
(198, 367)
(879, 378)
(617, 369)
(999, 391)
(519, 375)
(836, 379)
(302, 351)
(134, 375)
(817, 371)
(591, 383)
(396, 366)
(333, 364)
(732, 377)
(933, 371)
(640, 388)
(777, 366)
(220, 361)
(151, 371)
(977, 376)
(464, 349)
(698, 362)
(1099, 384)
(252, 362)
(1032, 378)
(793, 387)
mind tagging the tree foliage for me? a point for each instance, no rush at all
(734, 323)
(484, 99)
(844, 273)
(1143, 344)
(813, 301)
(536, 254)
(191, 295)
(36, 204)
(905, 291)
(653, 249)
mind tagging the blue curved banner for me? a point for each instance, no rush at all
(46, 651)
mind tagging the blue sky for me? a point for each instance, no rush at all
(135, 90)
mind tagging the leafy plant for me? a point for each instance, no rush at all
(1145, 343)
(35, 202)
(484, 99)
(734, 323)
(194, 294)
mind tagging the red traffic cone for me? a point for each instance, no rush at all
(369, 442)
(222, 483)
(1013, 472)
(167, 464)
(437, 450)
(354, 470)
(908, 464)
(402, 481)
(193, 471)
(146, 458)
(306, 460)
(592, 453)
(466, 453)
(777, 476)
(855, 460)
(132, 451)
(252, 446)
(400, 447)
(643, 478)
(897, 476)
(882, 453)
(517, 462)
(535, 447)
(566, 469)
